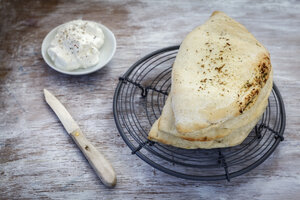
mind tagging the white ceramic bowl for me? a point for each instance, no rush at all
(106, 52)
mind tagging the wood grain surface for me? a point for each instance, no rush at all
(38, 160)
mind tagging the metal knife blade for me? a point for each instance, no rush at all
(61, 112)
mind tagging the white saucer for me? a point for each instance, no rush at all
(106, 52)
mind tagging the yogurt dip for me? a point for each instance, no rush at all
(76, 45)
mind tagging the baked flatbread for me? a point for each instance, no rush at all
(236, 130)
(235, 138)
(221, 80)
(166, 123)
(217, 75)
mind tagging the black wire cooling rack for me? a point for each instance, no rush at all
(138, 102)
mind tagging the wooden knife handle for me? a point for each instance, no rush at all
(98, 162)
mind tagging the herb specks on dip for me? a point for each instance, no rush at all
(76, 45)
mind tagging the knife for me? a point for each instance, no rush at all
(98, 162)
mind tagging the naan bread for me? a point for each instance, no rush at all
(221, 80)
(236, 137)
(236, 130)
(217, 75)
(166, 123)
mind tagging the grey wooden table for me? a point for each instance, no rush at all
(38, 160)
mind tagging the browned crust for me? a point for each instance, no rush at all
(253, 87)
(194, 127)
(203, 139)
(215, 13)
